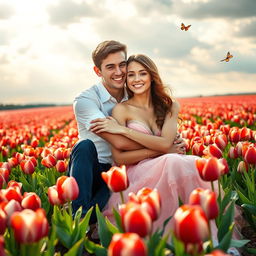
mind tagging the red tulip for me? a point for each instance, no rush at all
(3, 222)
(214, 151)
(127, 244)
(31, 201)
(135, 219)
(226, 167)
(242, 167)
(13, 162)
(58, 153)
(67, 188)
(61, 166)
(209, 169)
(5, 173)
(12, 193)
(2, 250)
(217, 253)
(234, 134)
(233, 153)
(49, 161)
(15, 184)
(225, 129)
(198, 149)
(207, 200)
(116, 178)
(27, 166)
(29, 226)
(191, 224)
(221, 141)
(149, 200)
(53, 196)
(250, 155)
(10, 207)
(245, 134)
(34, 142)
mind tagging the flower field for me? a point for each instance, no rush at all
(36, 194)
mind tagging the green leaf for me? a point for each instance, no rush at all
(225, 242)
(112, 228)
(179, 248)
(251, 208)
(252, 251)
(226, 221)
(92, 247)
(152, 243)
(164, 225)
(225, 201)
(160, 249)
(104, 233)
(76, 249)
(242, 197)
(118, 220)
(52, 241)
(64, 236)
(238, 243)
(83, 225)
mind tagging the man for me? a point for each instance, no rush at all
(92, 154)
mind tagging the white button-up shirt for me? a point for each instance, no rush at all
(95, 102)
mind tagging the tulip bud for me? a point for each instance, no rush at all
(149, 200)
(207, 200)
(245, 134)
(232, 153)
(27, 166)
(61, 166)
(53, 196)
(116, 178)
(191, 224)
(221, 141)
(242, 167)
(135, 219)
(198, 149)
(127, 244)
(49, 161)
(31, 201)
(67, 188)
(29, 226)
(250, 155)
(213, 151)
(209, 169)
(3, 222)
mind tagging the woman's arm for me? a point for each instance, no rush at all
(158, 143)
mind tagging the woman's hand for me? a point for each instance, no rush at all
(178, 146)
(108, 124)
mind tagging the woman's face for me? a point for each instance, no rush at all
(138, 78)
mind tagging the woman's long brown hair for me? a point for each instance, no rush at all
(161, 101)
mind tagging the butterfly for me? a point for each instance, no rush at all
(185, 27)
(229, 56)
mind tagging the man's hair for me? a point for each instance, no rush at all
(104, 49)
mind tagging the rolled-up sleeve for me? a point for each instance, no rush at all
(86, 109)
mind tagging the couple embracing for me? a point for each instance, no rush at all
(129, 118)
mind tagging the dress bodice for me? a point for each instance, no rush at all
(141, 127)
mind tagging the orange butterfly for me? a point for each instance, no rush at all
(185, 27)
(229, 56)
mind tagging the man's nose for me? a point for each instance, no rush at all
(118, 71)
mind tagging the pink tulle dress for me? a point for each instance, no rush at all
(173, 175)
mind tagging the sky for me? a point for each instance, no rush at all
(46, 45)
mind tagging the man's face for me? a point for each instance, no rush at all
(113, 71)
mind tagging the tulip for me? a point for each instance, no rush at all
(3, 222)
(5, 173)
(245, 134)
(221, 141)
(149, 200)
(198, 149)
(34, 142)
(67, 188)
(127, 244)
(213, 151)
(29, 226)
(217, 253)
(209, 169)
(12, 193)
(58, 153)
(191, 224)
(233, 153)
(49, 161)
(234, 134)
(226, 167)
(61, 166)
(242, 167)
(53, 196)
(116, 178)
(135, 219)
(250, 155)
(31, 201)
(27, 166)
(10, 207)
(13, 162)
(2, 250)
(207, 200)
(2, 181)
(15, 184)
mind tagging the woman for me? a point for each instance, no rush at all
(147, 119)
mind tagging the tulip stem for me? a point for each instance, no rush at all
(70, 209)
(122, 197)
(210, 234)
(212, 186)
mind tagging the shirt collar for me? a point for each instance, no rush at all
(105, 96)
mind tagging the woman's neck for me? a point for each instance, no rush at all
(142, 100)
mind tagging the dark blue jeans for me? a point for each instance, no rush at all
(86, 169)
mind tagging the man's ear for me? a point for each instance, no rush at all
(97, 71)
